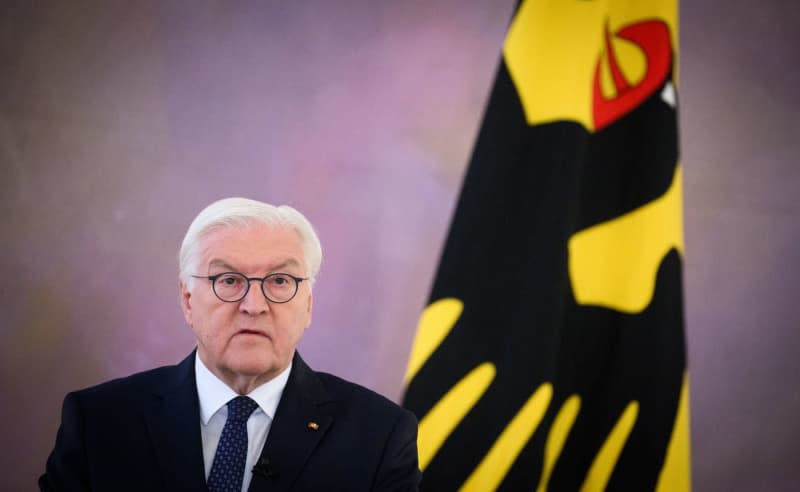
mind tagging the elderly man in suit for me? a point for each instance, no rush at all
(243, 411)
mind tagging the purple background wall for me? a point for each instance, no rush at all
(119, 122)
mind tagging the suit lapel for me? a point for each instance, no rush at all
(173, 420)
(301, 421)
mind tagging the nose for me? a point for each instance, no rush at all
(254, 302)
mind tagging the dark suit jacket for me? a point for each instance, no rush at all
(142, 433)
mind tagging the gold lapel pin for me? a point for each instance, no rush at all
(313, 425)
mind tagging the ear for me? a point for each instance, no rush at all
(309, 309)
(186, 302)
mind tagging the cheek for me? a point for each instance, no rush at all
(202, 332)
(210, 325)
(294, 325)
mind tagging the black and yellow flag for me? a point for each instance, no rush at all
(552, 354)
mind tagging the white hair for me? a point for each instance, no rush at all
(243, 212)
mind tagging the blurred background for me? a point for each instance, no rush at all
(119, 121)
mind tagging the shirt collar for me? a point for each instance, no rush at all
(215, 394)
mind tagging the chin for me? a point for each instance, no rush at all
(255, 364)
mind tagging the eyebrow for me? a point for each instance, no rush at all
(219, 263)
(223, 264)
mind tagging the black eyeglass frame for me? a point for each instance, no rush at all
(213, 280)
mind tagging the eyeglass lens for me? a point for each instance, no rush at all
(277, 287)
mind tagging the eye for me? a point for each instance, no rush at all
(279, 280)
(229, 280)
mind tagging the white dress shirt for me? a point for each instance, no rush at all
(214, 396)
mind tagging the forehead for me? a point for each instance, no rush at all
(252, 247)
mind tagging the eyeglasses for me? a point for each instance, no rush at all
(234, 286)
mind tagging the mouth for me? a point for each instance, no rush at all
(248, 332)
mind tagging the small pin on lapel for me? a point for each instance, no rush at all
(313, 425)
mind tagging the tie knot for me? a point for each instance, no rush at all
(240, 408)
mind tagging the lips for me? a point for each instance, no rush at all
(251, 332)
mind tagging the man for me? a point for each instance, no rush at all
(244, 411)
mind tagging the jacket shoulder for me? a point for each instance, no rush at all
(359, 398)
(134, 386)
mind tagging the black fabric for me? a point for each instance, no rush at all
(143, 433)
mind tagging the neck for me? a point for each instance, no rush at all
(244, 384)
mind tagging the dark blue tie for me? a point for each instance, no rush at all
(227, 470)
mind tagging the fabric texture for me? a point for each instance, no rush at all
(228, 469)
(142, 432)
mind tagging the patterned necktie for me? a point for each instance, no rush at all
(227, 470)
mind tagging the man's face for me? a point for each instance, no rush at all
(250, 341)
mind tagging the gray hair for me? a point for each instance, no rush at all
(242, 212)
